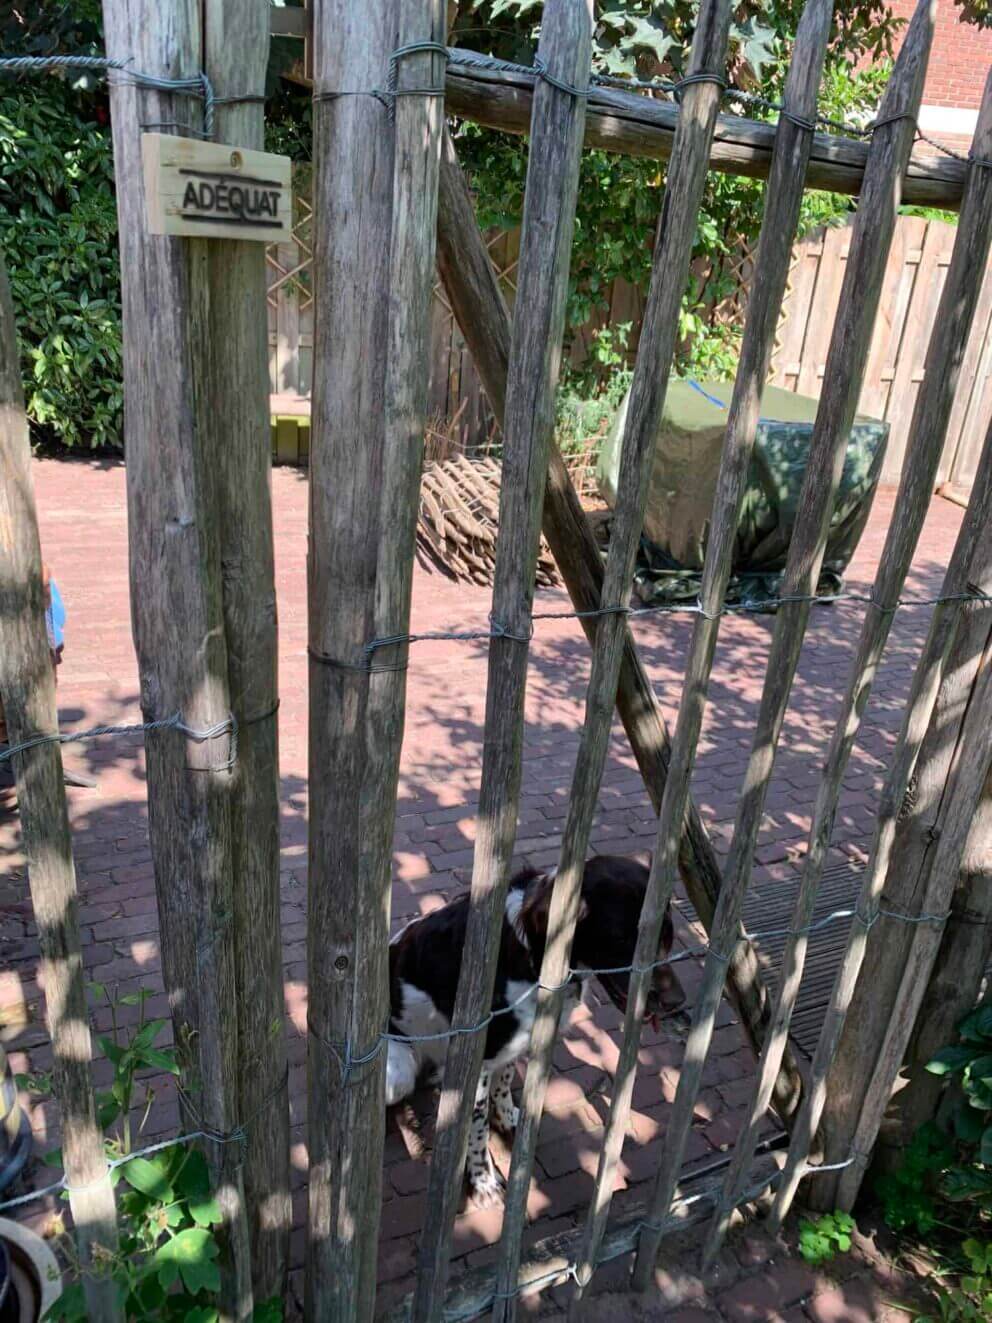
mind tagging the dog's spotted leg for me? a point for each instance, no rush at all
(485, 1182)
(503, 1112)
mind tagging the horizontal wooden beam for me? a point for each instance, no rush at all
(633, 124)
(636, 125)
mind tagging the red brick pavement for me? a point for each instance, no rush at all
(83, 520)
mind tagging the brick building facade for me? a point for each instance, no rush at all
(959, 65)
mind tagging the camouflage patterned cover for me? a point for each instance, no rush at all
(683, 480)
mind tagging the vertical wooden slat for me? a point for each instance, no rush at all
(823, 309)
(917, 333)
(475, 296)
(980, 333)
(898, 287)
(236, 46)
(176, 606)
(971, 561)
(673, 250)
(535, 355)
(347, 911)
(791, 335)
(870, 238)
(926, 437)
(27, 683)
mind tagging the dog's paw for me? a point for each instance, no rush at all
(487, 1186)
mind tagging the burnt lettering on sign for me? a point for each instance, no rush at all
(233, 199)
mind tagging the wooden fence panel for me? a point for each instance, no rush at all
(911, 292)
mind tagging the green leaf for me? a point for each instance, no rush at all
(111, 1050)
(205, 1212)
(269, 1311)
(201, 1314)
(950, 1059)
(70, 1306)
(148, 1177)
(192, 1179)
(147, 1034)
(151, 1056)
(192, 1253)
(985, 1148)
(977, 1027)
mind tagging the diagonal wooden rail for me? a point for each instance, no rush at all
(970, 563)
(535, 358)
(478, 305)
(870, 241)
(928, 429)
(672, 253)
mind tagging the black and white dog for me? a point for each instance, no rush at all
(425, 957)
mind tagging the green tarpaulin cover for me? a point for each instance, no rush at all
(683, 481)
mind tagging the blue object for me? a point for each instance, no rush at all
(719, 403)
(55, 617)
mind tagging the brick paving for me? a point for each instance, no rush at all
(83, 520)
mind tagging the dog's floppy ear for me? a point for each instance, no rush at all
(536, 909)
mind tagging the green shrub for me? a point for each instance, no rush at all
(58, 235)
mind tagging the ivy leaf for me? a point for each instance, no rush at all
(192, 1253)
(201, 1314)
(757, 45)
(193, 1179)
(148, 1178)
(205, 1212)
(977, 1027)
(269, 1311)
(950, 1059)
(647, 34)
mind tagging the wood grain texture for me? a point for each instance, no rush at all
(784, 199)
(870, 239)
(970, 563)
(956, 980)
(673, 245)
(972, 762)
(176, 606)
(925, 443)
(535, 358)
(473, 288)
(235, 58)
(348, 915)
(27, 686)
(636, 125)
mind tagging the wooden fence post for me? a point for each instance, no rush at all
(673, 249)
(477, 302)
(851, 335)
(971, 562)
(236, 44)
(907, 875)
(27, 684)
(923, 451)
(535, 356)
(973, 762)
(176, 606)
(376, 227)
(348, 907)
(959, 969)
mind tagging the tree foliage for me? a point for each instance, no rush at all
(620, 197)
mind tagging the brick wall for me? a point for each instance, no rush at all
(959, 60)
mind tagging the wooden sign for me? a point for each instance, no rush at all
(208, 190)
